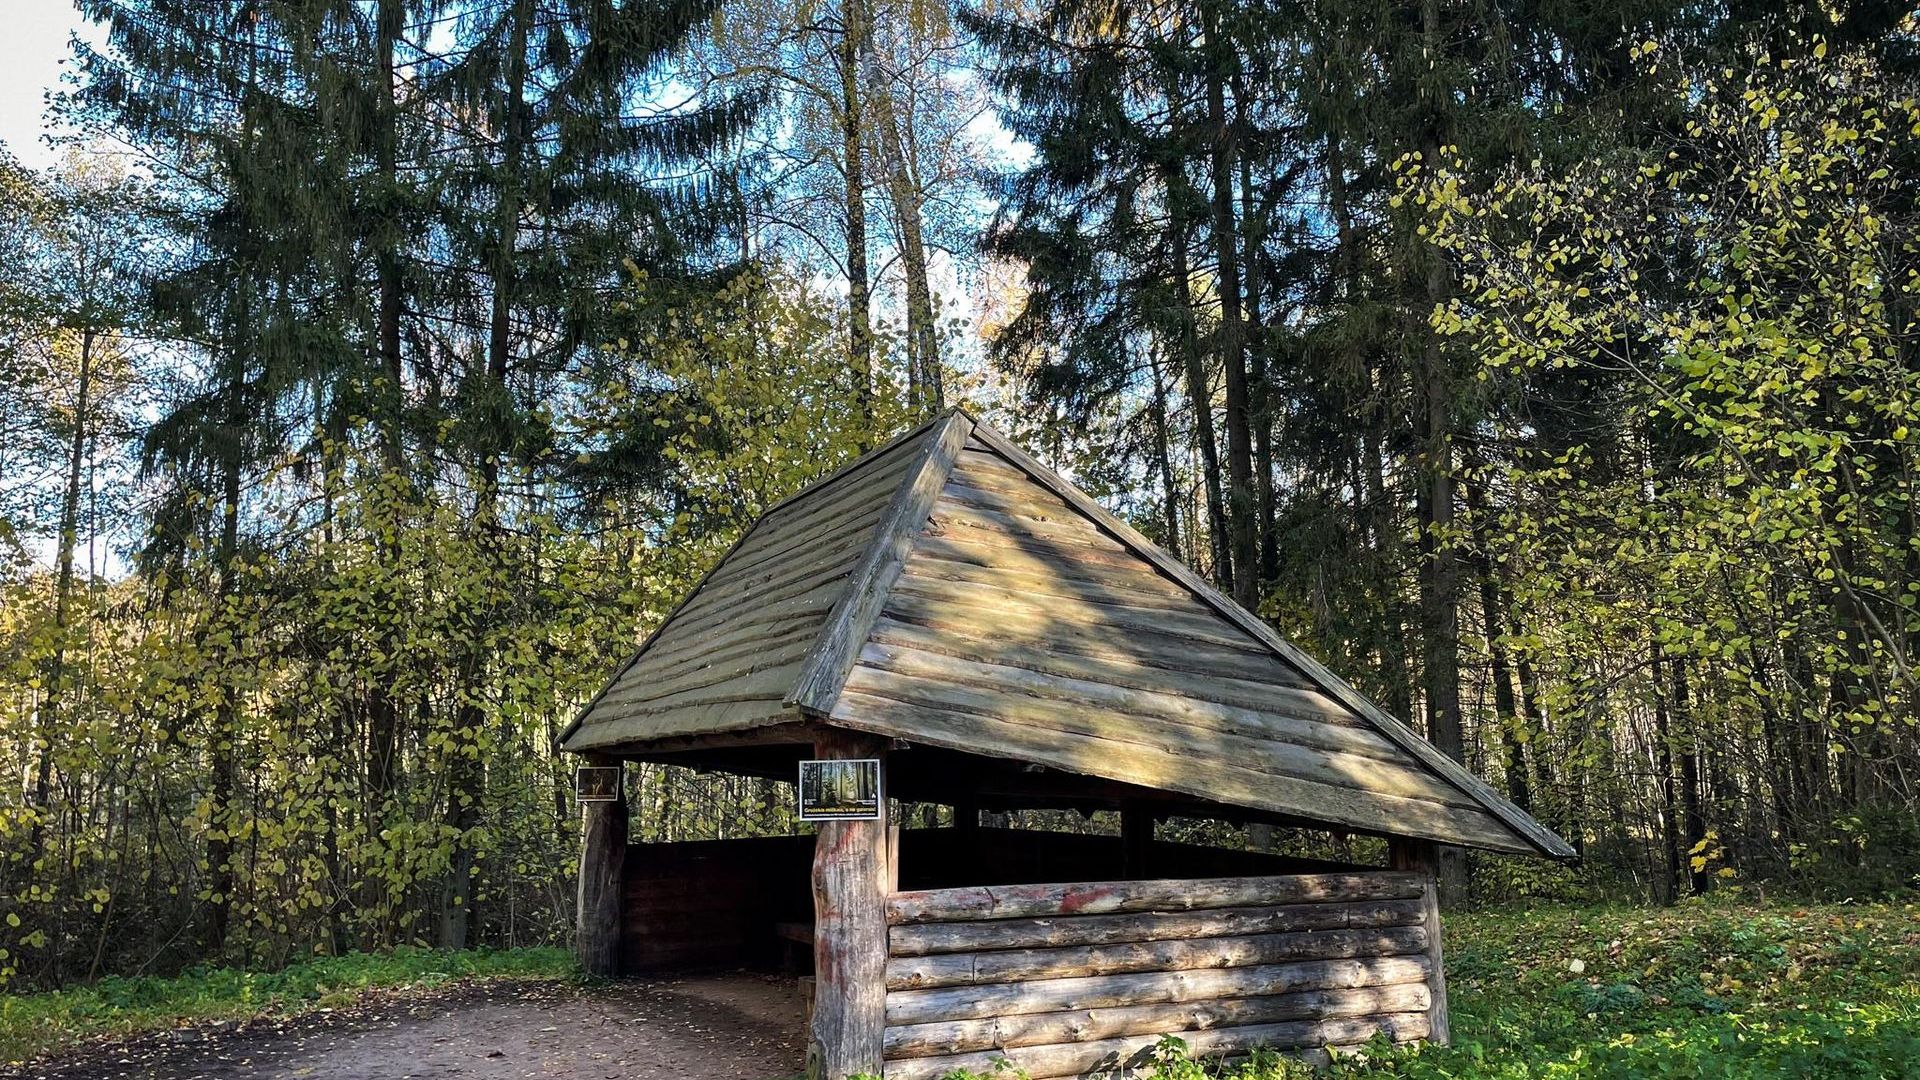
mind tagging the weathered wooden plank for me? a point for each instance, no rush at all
(1131, 638)
(603, 858)
(1033, 577)
(838, 550)
(825, 669)
(1157, 894)
(1264, 699)
(1090, 570)
(745, 677)
(780, 548)
(1148, 988)
(621, 730)
(1108, 1055)
(1067, 538)
(849, 932)
(1076, 961)
(1025, 738)
(752, 637)
(1230, 678)
(1536, 836)
(1167, 722)
(1000, 549)
(1088, 1025)
(931, 938)
(1013, 603)
(794, 577)
(958, 728)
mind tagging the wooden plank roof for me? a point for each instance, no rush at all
(949, 590)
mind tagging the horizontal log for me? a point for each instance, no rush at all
(999, 549)
(1086, 1025)
(1112, 1055)
(926, 939)
(619, 728)
(1149, 988)
(1007, 604)
(1135, 584)
(1076, 961)
(1249, 682)
(1140, 642)
(1156, 894)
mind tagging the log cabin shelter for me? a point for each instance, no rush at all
(997, 640)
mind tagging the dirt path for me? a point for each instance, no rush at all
(738, 1027)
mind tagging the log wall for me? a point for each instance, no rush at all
(1065, 980)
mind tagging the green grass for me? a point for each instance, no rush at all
(1708, 989)
(1720, 989)
(35, 1024)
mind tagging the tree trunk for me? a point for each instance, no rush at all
(1693, 820)
(928, 393)
(603, 860)
(466, 774)
(1202, 398)
(1440, 592)
(1506, 709)
(1163, 459)
(53, 703)
(850, 873)
(859, 304)
(1243, 505)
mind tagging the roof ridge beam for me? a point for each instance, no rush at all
(824, 671)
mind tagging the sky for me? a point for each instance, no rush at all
(33, 48)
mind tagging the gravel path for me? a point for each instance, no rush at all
(736, 1027)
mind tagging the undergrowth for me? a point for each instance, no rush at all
(1701, 990)
(35, 1024)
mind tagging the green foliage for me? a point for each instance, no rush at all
(1722, 989)
(1740, 510)
(35, 1024)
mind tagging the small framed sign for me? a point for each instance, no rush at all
(597, 783)
(844, 790)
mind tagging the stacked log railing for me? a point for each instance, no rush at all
(1070, 980)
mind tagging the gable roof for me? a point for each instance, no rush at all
(949, 590)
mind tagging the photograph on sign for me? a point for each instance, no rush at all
(840, 790)
(596, 783)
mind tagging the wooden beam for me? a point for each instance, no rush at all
(1130, 957)
(603, 861)
(1123, 1055)
(825, 670)
(1148, 988)
(1169, 894)
(1052, 932)
(1422, 857)
(845, 1032)
(1045, 1029)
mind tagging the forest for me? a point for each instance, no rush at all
(374, 374)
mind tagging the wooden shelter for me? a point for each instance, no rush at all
(957, 610)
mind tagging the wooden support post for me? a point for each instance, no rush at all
(849, 1019)
(1136, 841)
(1423, 857)
(603, 863)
